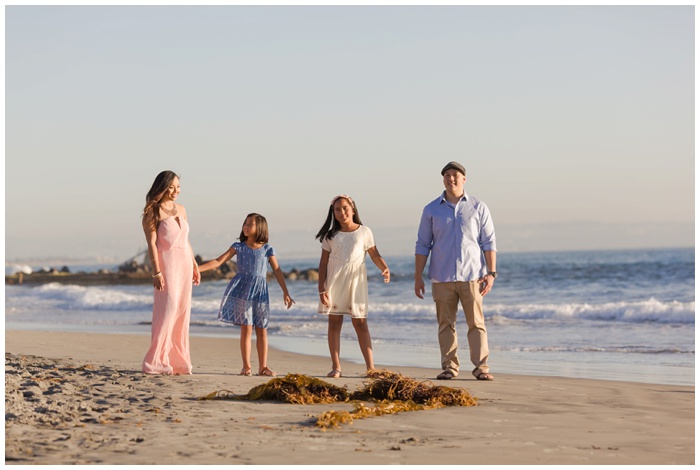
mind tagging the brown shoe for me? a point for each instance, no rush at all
(446, 375)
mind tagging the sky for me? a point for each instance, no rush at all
(575, 123)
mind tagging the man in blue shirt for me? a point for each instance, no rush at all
(457, 232)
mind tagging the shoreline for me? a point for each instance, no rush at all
(120, 416)
(422, 358)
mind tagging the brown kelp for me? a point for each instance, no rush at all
(292, 388)
(395, 393)
(334, 419)
(387, 385)
(389, 392)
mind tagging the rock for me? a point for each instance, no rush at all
(22, 268)
(228, 267)
(133, 272)
(133, 266)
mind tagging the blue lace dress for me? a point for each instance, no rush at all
(246, 300)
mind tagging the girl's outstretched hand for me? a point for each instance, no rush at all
(196, 276)
(386, 275)
(288, 301)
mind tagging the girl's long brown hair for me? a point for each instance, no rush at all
(262, 234)
(331, 226)
(151, 214)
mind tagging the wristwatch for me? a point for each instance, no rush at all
(493, 273)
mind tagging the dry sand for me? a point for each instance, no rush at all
(80, 398)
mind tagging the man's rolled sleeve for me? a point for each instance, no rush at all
(487, 233)
(425, 234)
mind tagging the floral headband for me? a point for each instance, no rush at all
(342, 196)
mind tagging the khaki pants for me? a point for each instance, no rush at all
(447, 295)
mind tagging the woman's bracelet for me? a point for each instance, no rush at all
(321, 293)
(158, 274)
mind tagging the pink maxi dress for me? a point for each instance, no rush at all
(170, 344)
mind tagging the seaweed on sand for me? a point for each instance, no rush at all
(390, 393)
(292, 388)
(387, 385)
(334, 419)
(394, 393)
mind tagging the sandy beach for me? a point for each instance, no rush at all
(80, 398)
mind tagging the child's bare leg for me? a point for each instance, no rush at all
(335, 324)
(246, 334)
(261, 345)
(365, 340)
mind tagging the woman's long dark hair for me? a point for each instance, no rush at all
(331, 226)
(151, 214)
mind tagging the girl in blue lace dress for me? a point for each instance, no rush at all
(246, 300)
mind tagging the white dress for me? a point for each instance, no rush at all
(346, 280)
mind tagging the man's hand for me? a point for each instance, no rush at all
(420, 288)
(485, 284)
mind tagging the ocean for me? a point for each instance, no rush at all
(612, 315)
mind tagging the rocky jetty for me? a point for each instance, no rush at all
(134, 271)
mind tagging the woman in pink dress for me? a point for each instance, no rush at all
(174, 271)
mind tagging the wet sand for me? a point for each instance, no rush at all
(80, 398)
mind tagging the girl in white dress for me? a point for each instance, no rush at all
(342, 276)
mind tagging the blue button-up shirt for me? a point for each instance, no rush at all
(457, 235)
